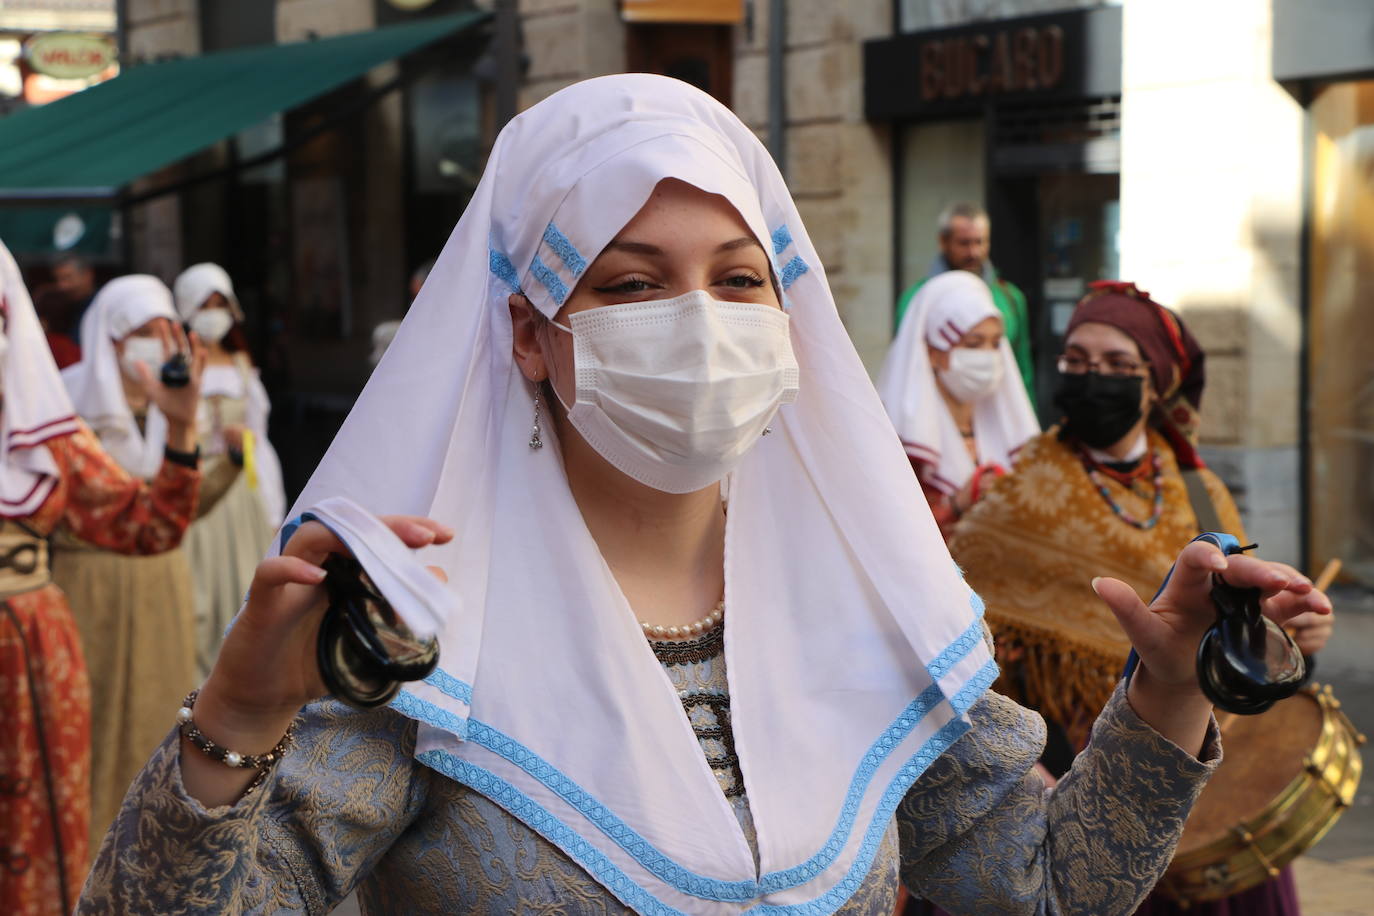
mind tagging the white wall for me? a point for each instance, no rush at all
(1211, 197)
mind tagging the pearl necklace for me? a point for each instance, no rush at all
(697, 628)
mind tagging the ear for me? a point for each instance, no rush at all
(939, 359)
(1151, 396)
(525, 346)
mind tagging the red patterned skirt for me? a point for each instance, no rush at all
(45, 758)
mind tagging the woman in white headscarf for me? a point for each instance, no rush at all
(54, 476)
(236, 524)
(951, 386)
(135, 614)
(632, 253)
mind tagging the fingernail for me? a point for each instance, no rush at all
(1096, 579)
(1219, 563)
(447, 531)
(317, 574)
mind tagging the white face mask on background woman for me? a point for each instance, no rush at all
(674, 392)
(145, 350)
(972, 374)
(210, 325)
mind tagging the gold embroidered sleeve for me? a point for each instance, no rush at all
(346, 789)
(980, 833)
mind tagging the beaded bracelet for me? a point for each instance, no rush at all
(261, 762)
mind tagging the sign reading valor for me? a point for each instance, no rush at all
(990, 63)
(69, 55)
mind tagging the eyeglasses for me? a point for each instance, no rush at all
(1072, 364)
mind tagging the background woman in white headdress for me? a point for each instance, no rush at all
(601, 347)
(237, 521)
(136, 614)
(951, 386)
(54, 475)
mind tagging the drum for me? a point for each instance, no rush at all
(1286, 777)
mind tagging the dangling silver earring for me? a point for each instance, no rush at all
(536, 441)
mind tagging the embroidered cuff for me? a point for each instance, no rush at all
(167, 773)
(1119, 728)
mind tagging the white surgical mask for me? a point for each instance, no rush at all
(211, 325)
(145, 350)
(972, 374)
(674, 392)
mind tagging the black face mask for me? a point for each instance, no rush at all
(1100, 409)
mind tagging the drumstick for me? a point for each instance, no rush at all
(1329, 574)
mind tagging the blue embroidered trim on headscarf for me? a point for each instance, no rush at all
(552, 282)
(792, 270)
(668, 871)
(447, 684)
(614, 878)
(504, 270)
(564, 248)
(782, 237)
(408, 704)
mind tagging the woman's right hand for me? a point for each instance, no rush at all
(266, 669)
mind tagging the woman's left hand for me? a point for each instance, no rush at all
(1166, 634)
(178, 405)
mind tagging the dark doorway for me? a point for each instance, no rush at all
(702, 55)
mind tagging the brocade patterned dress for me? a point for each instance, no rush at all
(351, 809)
(45, 699)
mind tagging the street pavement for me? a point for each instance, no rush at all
(1337, 877)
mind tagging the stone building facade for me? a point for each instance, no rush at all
(1207, 155)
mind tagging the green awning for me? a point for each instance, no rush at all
(149, 116)
(34, 230)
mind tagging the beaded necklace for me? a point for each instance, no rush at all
(1158, 479)
(690, 630)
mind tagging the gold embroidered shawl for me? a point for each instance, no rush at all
(1031, 548)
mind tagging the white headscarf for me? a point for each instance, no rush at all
(33, 404)
(122, 306)
(197, 283)
(853, 645)
(193, 286)
(945, 308)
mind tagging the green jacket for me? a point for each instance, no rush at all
(1011, 302)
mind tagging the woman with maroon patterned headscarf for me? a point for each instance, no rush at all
(1118, 485)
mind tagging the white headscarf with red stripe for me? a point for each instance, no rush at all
(122, 306)
(33, 402)
(945, 308)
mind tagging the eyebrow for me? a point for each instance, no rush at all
(645, 248)
(743, 241)
(1083, 349)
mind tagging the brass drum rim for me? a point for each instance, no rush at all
(1292, 823)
